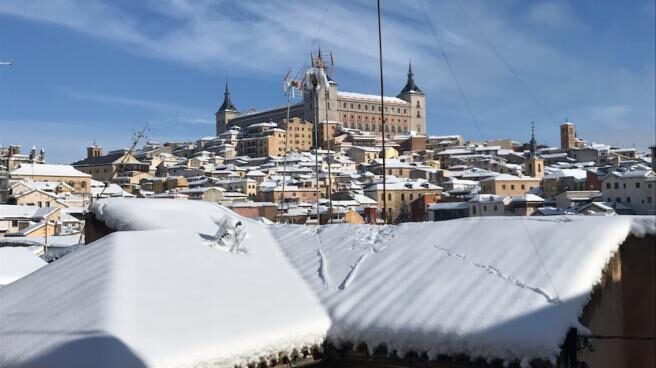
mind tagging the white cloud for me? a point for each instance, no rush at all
(249, 36)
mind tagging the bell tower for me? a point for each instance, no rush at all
(534, 165)
(226, 112)
(417, 100)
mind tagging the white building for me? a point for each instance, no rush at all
(635, 188)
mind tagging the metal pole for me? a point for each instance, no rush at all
(330, 178)
(382, 110)
(315, 101)
(282, 196)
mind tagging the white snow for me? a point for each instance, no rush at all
(472, 286)
(16, 262)
(48, 170)
(166, 295)
(369, 98)
(160, 296)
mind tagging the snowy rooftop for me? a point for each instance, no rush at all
(16, 262)
(369, 98)
(48, 170)
(168, 295)
(164, 295)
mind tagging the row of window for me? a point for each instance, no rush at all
(373, 120)
(616, 185)
(628, 200)
(496, 208)
(373, 107)
(375, 127)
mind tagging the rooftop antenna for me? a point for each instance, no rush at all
(136, 137)
(316, 80)
(292, 84)
(324, 62)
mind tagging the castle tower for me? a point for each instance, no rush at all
(567, 136)
(417, 100)
(226, 112)
(323, 102)
(534, 165)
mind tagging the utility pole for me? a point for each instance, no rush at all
(382, 110)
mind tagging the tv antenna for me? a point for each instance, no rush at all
(293, 86)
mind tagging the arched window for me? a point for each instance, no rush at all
(418, 106)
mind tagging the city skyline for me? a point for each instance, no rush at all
(102, 70)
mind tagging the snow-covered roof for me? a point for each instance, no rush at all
(369, 98)
(168, 297)
(578, 174)
(48, 170)
(441, 288)
(16, 262)
(8, 211)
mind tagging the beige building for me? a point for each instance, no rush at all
(300, 134)
(509, 185)
(161, 185)
(101, 167)
(245, 186)
(28, 220)
(400, 194)
(404, 113)
(210, 194)
(78, 180)
(292, 194)
(270, 142)
(36, 197)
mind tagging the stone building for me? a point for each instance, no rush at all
(404, 113)
(67, 174)
(102, 167)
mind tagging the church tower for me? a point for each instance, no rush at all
(226, 112)
(417, 100)
(534, 165)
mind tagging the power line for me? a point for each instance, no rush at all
(451, 70)
(544, 267)
(505, 62)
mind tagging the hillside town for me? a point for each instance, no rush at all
(427, 178)
(360, 224)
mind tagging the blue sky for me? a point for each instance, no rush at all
(100, 70)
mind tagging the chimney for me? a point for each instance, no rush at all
(94, 151)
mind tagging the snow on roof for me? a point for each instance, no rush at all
(441, 288)
(578, 174)
(28, 212)
(161, 295)
(15, 263)
(448, 206)
(528, 197)
(48, 170)
(369, 98)
(434, 288)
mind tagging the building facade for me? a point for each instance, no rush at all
(403, 113)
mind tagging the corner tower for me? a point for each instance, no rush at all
(226, 112)
(417, 100)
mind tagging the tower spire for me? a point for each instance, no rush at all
(227, 102)
(533, 143)
(410, 85)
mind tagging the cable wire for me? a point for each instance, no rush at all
(505, 63)
(452, 71)
(544, 267)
